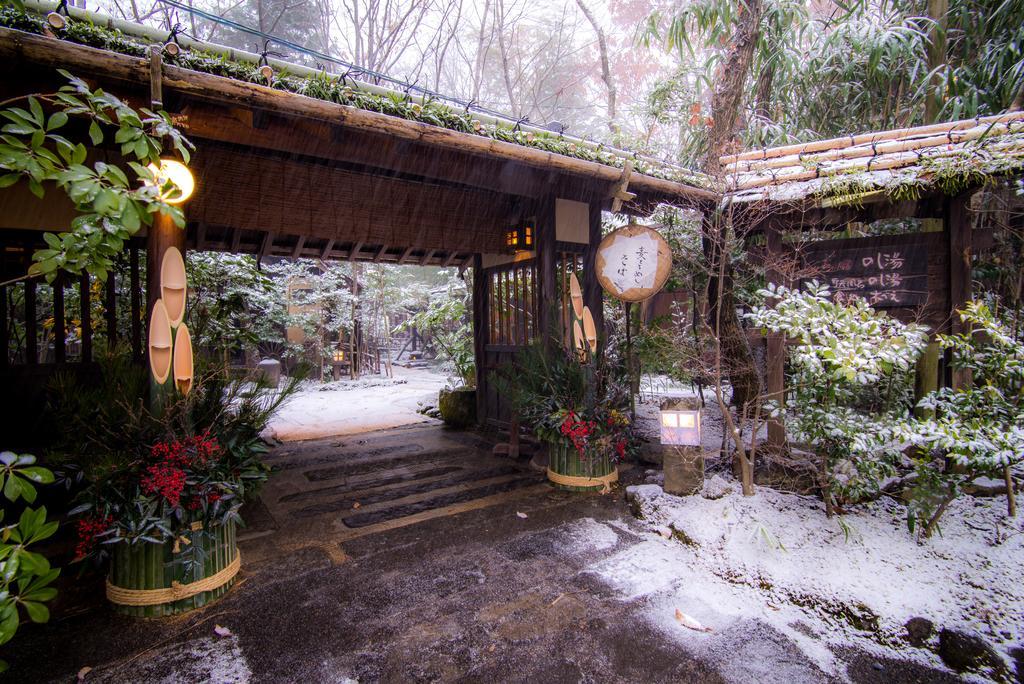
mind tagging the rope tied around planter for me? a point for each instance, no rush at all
(175, 592)
(605, 481)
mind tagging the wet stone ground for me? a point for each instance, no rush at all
(405, 556)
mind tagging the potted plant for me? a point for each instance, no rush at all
(163, 490)
(576, 404)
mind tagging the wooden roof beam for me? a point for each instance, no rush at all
(328, 246)
(427, 256)
(354, 252)
(300, 242)
(380, 254)
(405, 255)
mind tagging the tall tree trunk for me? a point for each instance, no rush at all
(726, 105)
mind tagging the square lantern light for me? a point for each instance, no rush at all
(519, 238)
(339, 356)
(680, 427)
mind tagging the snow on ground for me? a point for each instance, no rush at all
(350, 407)
(776, 558)
(203, 659)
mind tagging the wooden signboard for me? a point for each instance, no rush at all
(886, 276)
(633, 263)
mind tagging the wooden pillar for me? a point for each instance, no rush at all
(135, 289)
(775, 352)
(958, 230)
(480, 317)
(31, 330)
(546, 272)
(86, 314)
(59, 332)
(110, 309)
(163, 234)
(593, 297)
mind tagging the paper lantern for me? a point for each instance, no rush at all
(680, 427)
(589, 330)
(173, 285)
(178, 175)
(576, 295)
(160, 343)
(183, 368)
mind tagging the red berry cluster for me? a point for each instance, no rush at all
(166, 480)
(88, 530)
(578, 430)
(187, 453)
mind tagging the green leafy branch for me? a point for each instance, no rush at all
(112, 208)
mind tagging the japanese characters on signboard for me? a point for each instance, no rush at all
(886, 276)
(633, 263)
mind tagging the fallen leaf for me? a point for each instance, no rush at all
(690, 623)
(356, 505)
(221, 631)
(83, 672)
(522, 515)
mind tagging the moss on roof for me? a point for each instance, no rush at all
(336, 89)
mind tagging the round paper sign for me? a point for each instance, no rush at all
(633, 263)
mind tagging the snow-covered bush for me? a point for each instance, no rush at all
(849, 386)
(976, 430)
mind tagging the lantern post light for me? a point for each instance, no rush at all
(682, 453)
(520, 238)
(177, 174)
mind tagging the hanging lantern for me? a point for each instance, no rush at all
(339, 355)
(173, 285)
(160, 343)
(520, 238)
(183, 361)
(176, 175)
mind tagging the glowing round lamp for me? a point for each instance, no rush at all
(178, 175)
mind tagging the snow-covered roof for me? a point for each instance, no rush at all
(899, 162)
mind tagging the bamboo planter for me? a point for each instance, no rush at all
(566, 470)
(144, 578)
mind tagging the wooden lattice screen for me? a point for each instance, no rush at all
(512, 303)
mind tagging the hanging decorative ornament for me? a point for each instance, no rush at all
(589, 330)
(183, 361)
(160, 341)
(173, 285)
(576, 295)
(579, 340)
(633, 263)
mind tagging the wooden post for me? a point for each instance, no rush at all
(958, 229)
(593, 297)
(479, 336)
(110, 310)
(59, 333)
(163, 234)
(86, 313)
(31, 323)
(546, 272)
(926, 370)
(135, 288)
(775, 352)
(5, 333)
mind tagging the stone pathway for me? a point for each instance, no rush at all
(455, 566)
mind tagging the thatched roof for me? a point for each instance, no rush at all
(901, 163)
